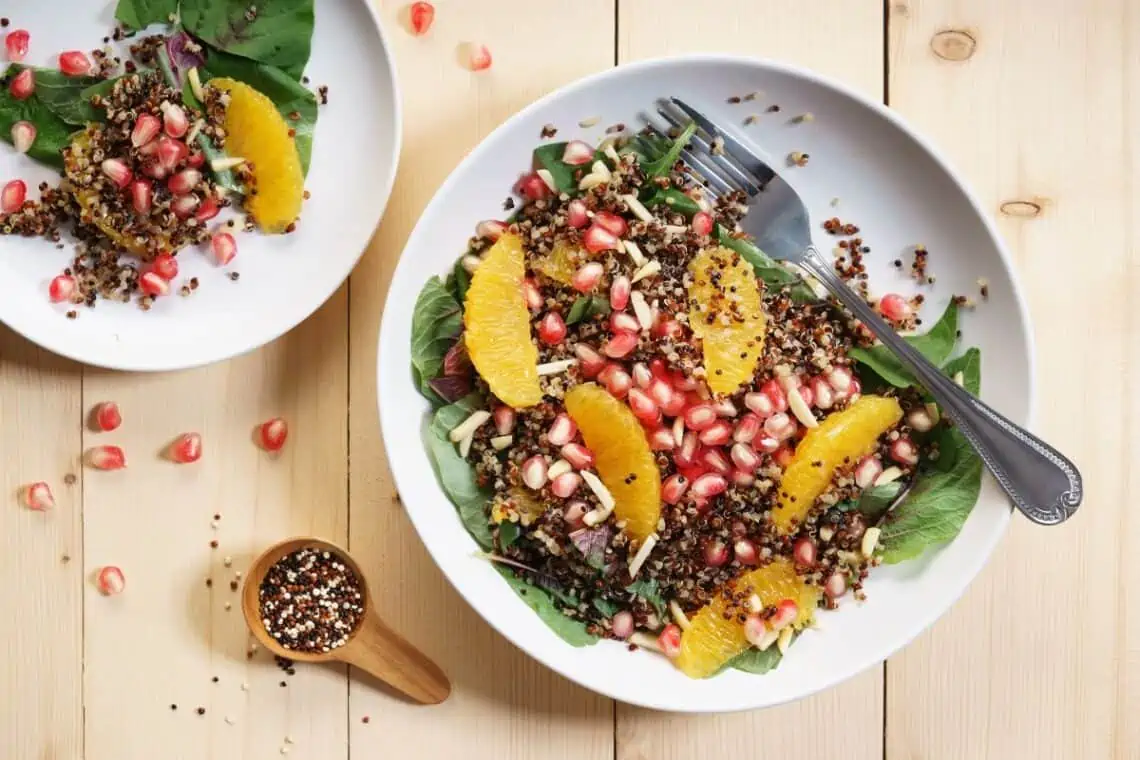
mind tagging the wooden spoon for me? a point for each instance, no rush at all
(373, 646)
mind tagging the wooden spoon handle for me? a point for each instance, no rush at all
(379, 650)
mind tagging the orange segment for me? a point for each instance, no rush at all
(726, 314)
(712, 641)
(842, 438)
(561, 263)
(256, 131)
(498, 325)
(621, 456)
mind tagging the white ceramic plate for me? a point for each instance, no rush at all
(890, 182)
(284, 278)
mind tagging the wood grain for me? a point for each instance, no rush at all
(502, 704)
(1039, 660)
(843, 40)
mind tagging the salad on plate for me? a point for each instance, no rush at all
(659, 435)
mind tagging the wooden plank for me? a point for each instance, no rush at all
(164, 640)
(843, 40)
(41, 554)
(503, 704)
(1039, 660)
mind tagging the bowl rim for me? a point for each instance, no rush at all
(978, 559)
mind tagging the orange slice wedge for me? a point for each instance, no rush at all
(727, 315)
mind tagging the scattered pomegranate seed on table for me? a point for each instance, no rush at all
(480, 58)
(224, 248)
(895, 308)
(187, 448)
(110, 580)
(153, 284)
(38, 496)
(74, 63)
(62, 288)
(13, 195)
(16, 44)
(273, 434)
(107, 416)
(165, 266)
(107, 458)
(421, 15)
(23, 136)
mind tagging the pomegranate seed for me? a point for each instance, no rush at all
(745, 552)
(895, 308)
(480, 58)
(724, 407)
(145, 130)
(776, 395)
(667, 328)
(856, 387)
(38, 496)
(154, 170)
(421, 15)
(23, 135)
(746, 428)
(742, 479)
(184, 181)
(619, 293)
(587, 277)
(621, 322)
(532, 187)
(195, 159)
(552, 329)
(716, 554)
(780, 426)
(700, 416)
(766, 444)
(759, 403)
(577, 455)
(532, 295)
(142, 196)
(675, 406)
(110, 581)
(13, 195)
(150, 149)
(107, 458)
(117, 171)
(662, 393)
(716, 434)
(565, 484)
(643, 407)
(617, 380)
(622, 624)
(534, 472)
(661, 439)
(490, 229)
(642, 377)
(806, 394)
(577, 153)
(687, 455)
(744, 457)
(611, 222)
(823, 395)
(187, 448)
(674, 488)
(716, 461)
(756, 631)
(803, 552)
(16, 43)
(207, 210)
(670, 641)
(920, 420)
(574, 513)
(702, 223)
(836, 585)
(590, 362)
(273, 433)
(841, 379)
(171, 153)
(598, 239)
(620, 345)
(152, 284)
(61, 289)
(867, 471)
(783, 456)
(904, 451)
(107, 416)
(683, 383)
(576, 215)
(22, 85)
(785, 615)
(562, 430)
(504, 418)
(223, 246)
(165, 266)
(709, 485)
(74, 63)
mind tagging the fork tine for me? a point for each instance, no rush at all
(722, 162)
(756, 166)
(701, 168)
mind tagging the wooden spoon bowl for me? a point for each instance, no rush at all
(372, 646)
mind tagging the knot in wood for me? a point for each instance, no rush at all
(1022, 209)
(953, 44)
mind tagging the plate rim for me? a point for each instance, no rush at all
(961, 582)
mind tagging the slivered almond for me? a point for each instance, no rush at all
(554, 368)
(679, 615)
(500, 442)
(469, 425)
(637, 208)
(651, 267)
(641, 309)
(634, 251)
(889, 475)
(642, 555)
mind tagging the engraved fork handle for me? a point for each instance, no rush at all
(1042, 483)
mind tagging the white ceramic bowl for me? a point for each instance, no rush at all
(899, 191)
(284, 278)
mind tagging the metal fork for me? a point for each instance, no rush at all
(1042, 483)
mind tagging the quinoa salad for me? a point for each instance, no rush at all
(155, 137)
(659, 435)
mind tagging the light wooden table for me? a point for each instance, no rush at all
(1036, 101)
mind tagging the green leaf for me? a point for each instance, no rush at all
(436, 320)
(970, 365)
(549, 157)
(647, 147)
(296, 104)
(279, 34)
(675, 199)
(53, 134)
(139, 14)
(936, 345)
(774, 274)
(458, 282)
(64, 95)
(647, 589)
(587, 307)
(875, 501)
(572, 631)
(757, 661)
(605, 606)
(661, 166)
(456, 474)
(508, 533)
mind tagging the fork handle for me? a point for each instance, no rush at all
(1042, 483)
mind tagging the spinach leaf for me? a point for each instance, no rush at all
(279, 33)
(936, 345)
(875, 501)
(970, 365)
(587, 307)
(605, 606)
(647, 589)
(508, 533)
(757, 661)
(647, 146)
(139, 14)
(458, 282)
(572, 631)
(296, 104)
(774, 274)
(53, 134)
(456, 474)
(549, 157)
(64, 95)
(673, 198)
(436, 321)
(661, 165)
